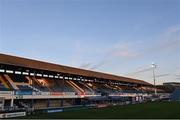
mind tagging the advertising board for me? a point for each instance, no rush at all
(56, 93)
(14, 114)
(4, 93)
(54, 110)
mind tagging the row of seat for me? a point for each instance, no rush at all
(59, 85)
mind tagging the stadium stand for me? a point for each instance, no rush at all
(26, 83)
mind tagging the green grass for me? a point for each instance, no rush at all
(146, 110)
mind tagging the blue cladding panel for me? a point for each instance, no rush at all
(23, 92)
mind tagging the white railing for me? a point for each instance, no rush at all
(36, 95)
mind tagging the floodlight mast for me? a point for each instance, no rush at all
(154, 67)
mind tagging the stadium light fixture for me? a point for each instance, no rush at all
(154, 66)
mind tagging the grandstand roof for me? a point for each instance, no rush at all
(35, 64)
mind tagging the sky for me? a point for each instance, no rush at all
(121, 37)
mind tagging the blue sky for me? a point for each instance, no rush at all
(121, 37)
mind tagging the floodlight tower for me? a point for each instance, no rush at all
(154, 67)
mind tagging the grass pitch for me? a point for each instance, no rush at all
(158, 110)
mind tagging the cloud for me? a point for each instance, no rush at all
(127, 51)
(173, 29)
(163, 75)
(119, 50)
(85, 65)
(123, 50)
(124, 54)
(99, 64)
(140, 71)
(168, 41)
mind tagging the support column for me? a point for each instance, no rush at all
(48, 103)
(12, 102)
(32, 100)
(73, 101)
(62, 100)
(2, 103)
(61, 103)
